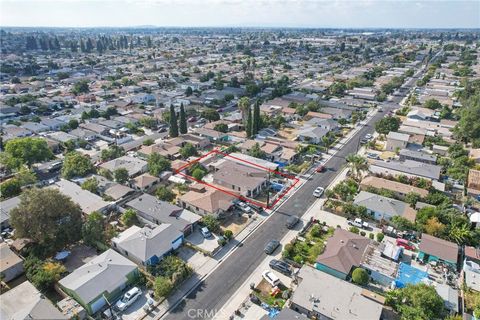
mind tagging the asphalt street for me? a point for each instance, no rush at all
(216, 289)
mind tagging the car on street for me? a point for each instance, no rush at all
(318, 192)
(271, 278)
(128, 298)
(359, 223)
(271, 246)
(320, 168)
(372, 155)
(205, 232)
(280, 266)
(406, 244)
(292, 221)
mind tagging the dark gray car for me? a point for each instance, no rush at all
(280, 266)
(292, 221)
(271, 246)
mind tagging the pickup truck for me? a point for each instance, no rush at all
(359, 223)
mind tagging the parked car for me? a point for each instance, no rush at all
(372, 155)
(368, 136)
(271, 246)
(380, 109)
(318, 192)
(244, 207)
(205, 232)
(280, 266)
(291, 222)
(406, 244)
(192, 119)
(128, 298)
(271, 278)
(359, 223)
(363, 141)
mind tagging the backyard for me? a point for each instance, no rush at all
(265, 293)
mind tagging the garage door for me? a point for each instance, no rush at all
(98, 304)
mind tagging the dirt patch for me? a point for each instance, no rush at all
(79, 255)
(235, 223)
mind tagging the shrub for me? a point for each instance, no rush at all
(162, 286)
(363, 233)
(371, 236)
(354, 230)
(380, 237)
(360, 276)
(228, 234)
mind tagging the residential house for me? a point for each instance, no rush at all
(343, 251)
(84, 134)
(11, 265)
(435, 249)
(240, 178)
(397, 141)
(449, 296)
(337, 113)
(381, 207)
(322, 296)
(5, 207)
(473, 182)
(100, 280)
(312, 114)
(204, 200)
(196, 141)
(399, 189)
(312, 135)
(419, 156)
(95, 127)
(133, 165)
(144, 182)
(407, 168)
(471, 268)
(328, 124)
(212, 135)
(150, 209)
(26, 302)
(253, 162)
(148, 245)
(35, 127)
(418, 113)
(52, 124)
(118, 192)
(88, 202)
(164, 149)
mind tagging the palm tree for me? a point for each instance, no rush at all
(244, 105)
(357, 164)
(459, 232)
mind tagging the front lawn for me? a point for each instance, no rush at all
(307, 249)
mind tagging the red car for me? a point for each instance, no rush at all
(406, 244)
(320, 169)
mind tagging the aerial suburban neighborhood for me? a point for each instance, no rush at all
(240, 173)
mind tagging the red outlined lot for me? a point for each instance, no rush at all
(226, 155)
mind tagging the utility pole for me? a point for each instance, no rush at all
(268, 189)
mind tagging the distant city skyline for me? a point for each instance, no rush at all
(241, 13)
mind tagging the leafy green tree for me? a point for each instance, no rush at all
(183, 120)
(244, 106)
(27, 151)
(80, 87)
(10, 188)
(256, 119)
(418, 301)
(412, 198)
(162, 286)
(148, 122)
(221, 127)
(257, 152)
(387, 124)
(90, 185)
(157, 164)
(228, 234)
(198, 173)
(76, 165)
(47, 217)
(105, 173)
(112, 152)
(211, 223)
(360, 276)
(148, 142)
(165, 194)
(173, 122)
(432, 104)
(121, 175)
(188, 150)
(249, 126)
(43, 274)
(93, 229)
(129, 218)
(26, 176)
(211, 115)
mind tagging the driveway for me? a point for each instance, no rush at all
(198, 240)
(135, 311)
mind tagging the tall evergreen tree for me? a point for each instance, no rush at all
(173, 122)
(183, 120)
(249, 128)
(82, 45)
(256, 118)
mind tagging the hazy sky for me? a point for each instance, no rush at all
(270, 13)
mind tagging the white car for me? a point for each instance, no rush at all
(318, 192)
(368, 136)
(244, 207)
(128, 298)
(271, 278)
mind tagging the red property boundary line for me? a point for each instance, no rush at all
(226, 155)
